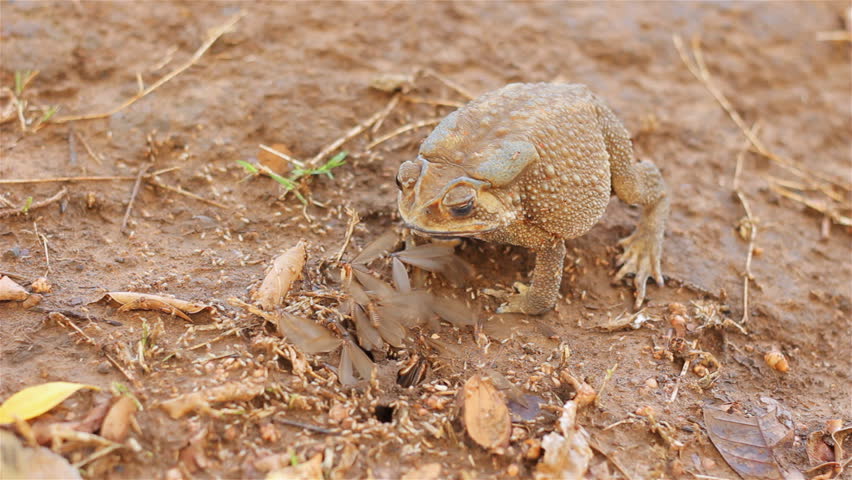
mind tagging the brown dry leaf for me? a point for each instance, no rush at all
(307, 335)
(275, 162)
(22, 462)
(566, 455)
(9, 290)
(192, 456)
(586, 394)
(286, 268)
(310, 470)
(522, 406)
(368, 336)
(201, 400)
(747, 443)
(116, 425)
(377, 248)
(44, 428)
(145, 301)
(486, 416)
(430, 471)
(826, 450)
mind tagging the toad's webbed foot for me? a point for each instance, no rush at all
(541, 296)
(641, 257)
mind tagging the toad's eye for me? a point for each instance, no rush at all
(464, 210)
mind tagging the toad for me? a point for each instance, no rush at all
(533, 165)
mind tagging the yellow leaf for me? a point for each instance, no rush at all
(33, 401)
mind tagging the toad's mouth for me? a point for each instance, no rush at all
(447, 234)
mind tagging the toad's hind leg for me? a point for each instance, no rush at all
(642, 184)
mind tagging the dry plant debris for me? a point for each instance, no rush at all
(485, 413)
(310, 470)
(748, 443)
(9, 290)
(286, 268)
(116, 424)
(567, 454)
(145, 301)
(36, 400)
(201, 400)
(826, 450)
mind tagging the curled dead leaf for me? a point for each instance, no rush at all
(485, 413)
(286, 268)
(9, 290)
(566, 454)
(201, 400)
(146, 301)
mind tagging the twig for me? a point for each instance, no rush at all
(429, 101)
(609, 373)
(10, 212)
(752, 226)
(699, 70)
(7, 203)
(185, 193)
(72, 147)
(211, 39)
(95, 156)
(44, 242)
(446, 81)
(306, 426)
(350, 227)
(352, 133)
(133, 194)
(58, 317)
(388, 108)
(283, 155)
(403, 129)
(834, 36)
(679, 378)
(84, 179)
(98, 454)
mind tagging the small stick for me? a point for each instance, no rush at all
(403, 129)
(352, 133)
(677, 383)
(812, 204)
(390, 106)
(44, 242)
(95, 156)
(92, 342)
(350, 227)
(607, 377)
(7, 203)
(83, 179)
(834, 36)
(98, 454)
(183, 192)
(306, 426)
(211, 39)
(133, 194)
(283, 155)
(446, 81)
(10, 212)
(429, 101)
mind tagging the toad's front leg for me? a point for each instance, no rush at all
(541, 296)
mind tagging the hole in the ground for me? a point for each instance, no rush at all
(384, 413)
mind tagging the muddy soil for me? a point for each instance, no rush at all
(299, 75)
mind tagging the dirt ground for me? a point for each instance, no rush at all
(299, 74)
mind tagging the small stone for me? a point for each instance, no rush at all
(41, 285)
(104, 367)
(651, 383)
(270, 433)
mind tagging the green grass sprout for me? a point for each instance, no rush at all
(290, 183)
(27, 204)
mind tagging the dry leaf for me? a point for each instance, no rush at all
(826, 450)
(9, 290)
(566, 455)
(747, 443)
(44, 428)
(22, 462)
(625, 321)
(310, 470)
(286, 268)
(307, 335)
(430, 471)
(377, 248)
(33, 401)
(201, 400)
(145, 301)
(116, 425)
(522, 406)
(486, 416)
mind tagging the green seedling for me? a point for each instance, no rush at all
(121, 389)
(27, 204)
(290, 183)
